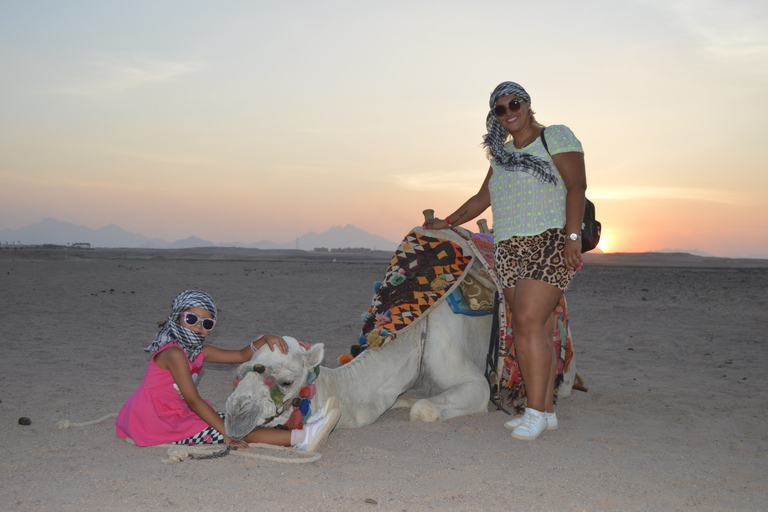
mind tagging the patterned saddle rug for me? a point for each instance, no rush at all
(421, 272)
(424, 271)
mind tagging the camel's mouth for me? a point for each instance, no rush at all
(246, 413)
(239, 427)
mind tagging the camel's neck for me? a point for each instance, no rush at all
(370, 384)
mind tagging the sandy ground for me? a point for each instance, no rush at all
(672, 348)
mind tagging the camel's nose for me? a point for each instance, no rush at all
(239, 405)
(241, 417)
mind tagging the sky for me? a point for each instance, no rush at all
(252, 120)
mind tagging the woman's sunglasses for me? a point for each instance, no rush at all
(513, 106)
(191, 319)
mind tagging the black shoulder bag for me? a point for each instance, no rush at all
(590, 230)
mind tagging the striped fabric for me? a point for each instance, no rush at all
(493, 141)
(190, 341)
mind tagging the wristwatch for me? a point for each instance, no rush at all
(574, 237)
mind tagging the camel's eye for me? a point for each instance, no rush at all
(258, 368)
(287, 383)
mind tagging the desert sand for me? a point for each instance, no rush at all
(672, 349)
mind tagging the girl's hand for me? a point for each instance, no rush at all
(275, 341)
(231, 442)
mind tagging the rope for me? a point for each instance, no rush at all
(66, 423)
(422, 343)
(178, 453)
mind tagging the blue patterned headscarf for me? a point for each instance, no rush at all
(493, 141)
(190, 341)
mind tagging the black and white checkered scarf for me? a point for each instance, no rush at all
(493, 141)
(172, 331)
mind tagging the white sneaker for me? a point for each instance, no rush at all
(330, 404)
(533, 424)
(517, 420)
(316, 433)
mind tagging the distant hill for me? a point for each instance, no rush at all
(695, 252)
(52, 231)
(342, 237)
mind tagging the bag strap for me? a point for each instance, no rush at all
(544, 141)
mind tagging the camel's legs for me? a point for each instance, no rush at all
(404, 401)
(468, 397)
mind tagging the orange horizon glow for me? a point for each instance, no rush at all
(265, 123)
(604, 245)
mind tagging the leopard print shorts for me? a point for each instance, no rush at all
(538, 257)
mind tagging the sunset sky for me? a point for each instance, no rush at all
(251, 120)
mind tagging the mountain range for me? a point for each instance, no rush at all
(52, 231)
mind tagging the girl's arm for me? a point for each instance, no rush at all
(222, 355)
(473, 207)
(174, 360)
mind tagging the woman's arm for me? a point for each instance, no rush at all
(473, 207)
(222, 355)
(571, 167)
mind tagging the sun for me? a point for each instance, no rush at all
(604, 245)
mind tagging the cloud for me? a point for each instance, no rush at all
(61, 182)
(109, 76)
(629, 193)
(469, 182)
(735, 32)
(452, 181)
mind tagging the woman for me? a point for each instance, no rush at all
(537, 197)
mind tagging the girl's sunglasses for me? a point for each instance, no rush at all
(191, 319)
(513, 106)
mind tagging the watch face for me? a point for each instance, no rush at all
(574, 236)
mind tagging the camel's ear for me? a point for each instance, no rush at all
(315, 355)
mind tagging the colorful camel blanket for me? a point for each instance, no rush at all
(425, 270)
(421, 272)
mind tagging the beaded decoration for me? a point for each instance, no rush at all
(301, 404)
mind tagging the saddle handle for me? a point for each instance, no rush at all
(428, 214)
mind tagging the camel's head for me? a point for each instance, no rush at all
(266, 385)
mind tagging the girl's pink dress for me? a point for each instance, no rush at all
(156, 413)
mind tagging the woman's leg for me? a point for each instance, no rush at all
(550, 396)
(532, 303)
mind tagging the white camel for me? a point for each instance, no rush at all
(436, 367)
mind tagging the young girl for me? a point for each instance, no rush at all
(167, 408)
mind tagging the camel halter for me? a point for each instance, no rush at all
(277, 395)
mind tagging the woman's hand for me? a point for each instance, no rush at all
(572, 256)
(435, 224)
